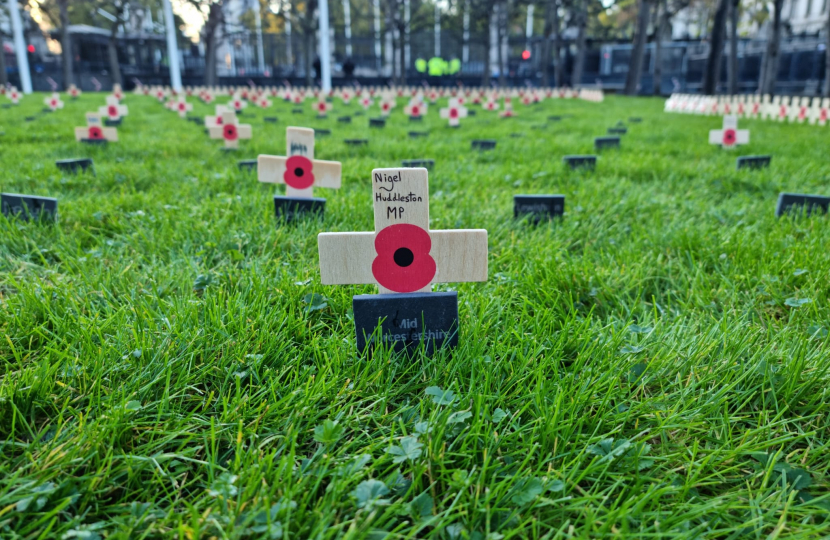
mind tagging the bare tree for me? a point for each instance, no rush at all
(580, 20)
(770, 70)
(551, 28)
(635, 65)
(827, 56)
(57, 13)
(214, 17)
(711, 72)
(117, 11)
(501, 34)
(395, 19)
(4, 78)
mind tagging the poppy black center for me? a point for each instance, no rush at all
(299, 172)
(403, 257)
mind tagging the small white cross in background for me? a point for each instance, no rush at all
(113, 110)
(298, 169)
(415, 109)
(321, 107)
(454, 111)
(230, 130)
(54, 102)
(182, 107)
(730, 136)
(820, 111)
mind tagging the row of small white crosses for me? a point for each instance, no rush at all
(795, 109)
(402, 254)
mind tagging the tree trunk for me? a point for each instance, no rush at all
(4, 79)
(488, 68)
(773, 46)
(733, 46)
(501, 33)
(550, 7)
(662, 25)
(210, 54)
(115, 68)
(66, 44)
(711, 73)
(827, 57)
(635, 65)
(558, 70)
(402, 54)
(307, 56)
(579, 60)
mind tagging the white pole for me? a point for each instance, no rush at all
(529, 27)
(377, 34)
(172, 49)
(20, 48)
(437, 30)
(260, 48)
(289, 54)
(465, 50)
(406, 19)
(325, 49)
(347, 20)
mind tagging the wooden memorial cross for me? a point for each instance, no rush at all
(300, 173)
(454, 111)
(322, 107)
(215, 121)
(237, 104)
(730, 136)
(54, 102)
(415, 109)
(14, 95)
(366, 101)
(182, 107)
(230, 130)
(117, 93)
(799, 110)
(820, 111)
(404, 256)
(508, 109)
(73, 91)
(95, 131)
(298, 169)
(113, 110)
(491, 104)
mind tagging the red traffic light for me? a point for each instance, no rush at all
(525, 55)
(30, 48)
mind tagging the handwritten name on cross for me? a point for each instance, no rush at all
(730, 136)
(402, 255)
(95, 131)
(454, 111)
(113, 110)
(298, 169)
(230, 130)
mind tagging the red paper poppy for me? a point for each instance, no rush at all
(729, 137)
(782, 112)
(453, 113)
(416, 110)
(298, 172)
(112, 110)
(385, 106)
(321, 107)
(181, 106)
(219, 120)
(95, 133)
(403, 263)
(823, 114)
(54, 103)
(229, 132)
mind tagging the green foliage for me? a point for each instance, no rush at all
(634, 370)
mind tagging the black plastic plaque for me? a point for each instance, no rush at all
(635, 119)
(377, 122)
(29, 206)
(617, 131)
(798, 203)
(322, 132)
(99, 142)
(289, 208)
(30, 118)
(601, 143)
(471, 112)
(6, 106)
(516, 135)
(297, 111)
(406, 321)
(112, 123)
(74, 165)
(247, 165)
(425, 163)
(576, 162)
(270, 119)
(195, 120)
(554, 118)
(483, 144)
(416, 118)
(345, 119)
(753, 162)
(356, 142)
(416, 134)
(538, 207)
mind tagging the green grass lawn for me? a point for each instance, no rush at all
(654, 365)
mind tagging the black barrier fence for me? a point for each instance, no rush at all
(800, 71)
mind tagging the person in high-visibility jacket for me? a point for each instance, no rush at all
(455, 66)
